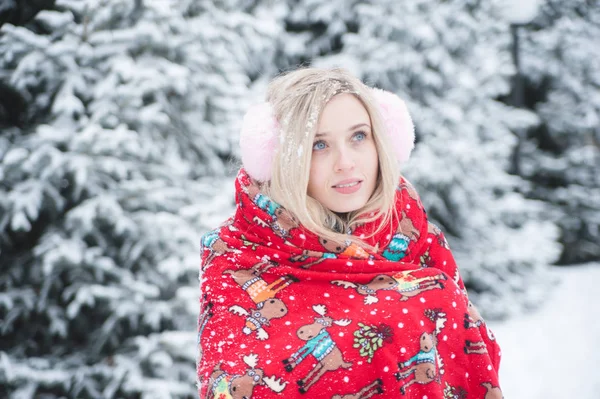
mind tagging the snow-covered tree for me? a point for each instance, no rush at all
(561, 158)
(105, 194)
(22, 11)
(450, 61)
(314, 28)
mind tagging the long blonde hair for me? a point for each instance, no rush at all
(298, 99)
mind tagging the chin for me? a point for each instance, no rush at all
(346, 208)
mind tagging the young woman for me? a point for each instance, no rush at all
(329, 281)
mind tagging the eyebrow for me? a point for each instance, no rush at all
(349, 129)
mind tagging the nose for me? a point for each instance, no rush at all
(344, 160)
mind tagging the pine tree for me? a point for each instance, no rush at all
(313, 29)
(104, 195)
(561, 158)
(450, 61)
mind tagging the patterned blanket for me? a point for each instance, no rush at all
(287, 314)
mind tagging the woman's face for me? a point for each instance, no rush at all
(344, 164)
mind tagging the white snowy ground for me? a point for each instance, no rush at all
(554, 352)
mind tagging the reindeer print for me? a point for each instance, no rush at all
(319, 344)
(282, 221)
(222, 385)
(492, 391)
(407, 228)
(373, 388)
(263, 295)
(333, 249)
(255, 286)
(423, 366)
(379, 282)
(205, 315)
(433, 229)
(348, 249)
(412, 192)
(410, 286)
(425, 260)
(261, 316)
(473, 319)
(403, 282)
(203, 318)
(451, 392)
(478, 347)
(215, 245)
(247, 243)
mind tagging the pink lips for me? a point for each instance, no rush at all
(348, 189)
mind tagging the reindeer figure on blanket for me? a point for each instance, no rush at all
(332, 251)
(366, 392)
(404, 282)
(412, 192)
(282, 220)
(425, 364)
(473, 319)
(263, 295)
(320, 345)
(224, 385)
(433, 229)
(215, 244)
(492, 391)
(203, 318)
(255, 286)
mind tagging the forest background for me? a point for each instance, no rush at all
(119, 122)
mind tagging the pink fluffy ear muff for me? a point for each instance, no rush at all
(260, 133)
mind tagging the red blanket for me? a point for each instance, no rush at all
(284, 314)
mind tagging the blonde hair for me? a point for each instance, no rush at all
(298, 99)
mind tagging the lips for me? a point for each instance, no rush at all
(348, 186)
(347, 183)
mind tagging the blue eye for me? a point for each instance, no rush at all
(360, 136)
(319, 145)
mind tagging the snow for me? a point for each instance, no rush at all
(54, 19)
(520, 11)
(143, 111)
(554, 349)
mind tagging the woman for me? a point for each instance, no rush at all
(329, 281)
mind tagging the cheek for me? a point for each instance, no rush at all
(317, 172)
(371, 160)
